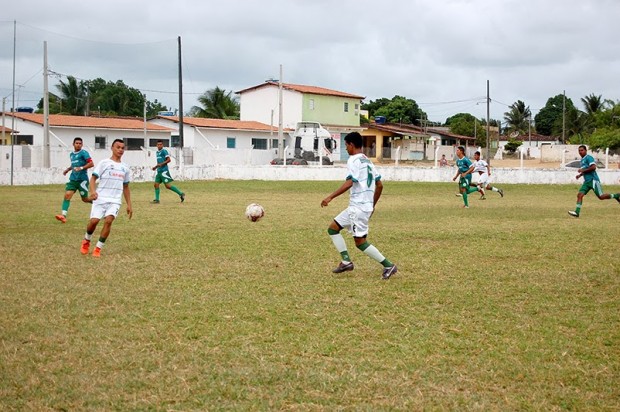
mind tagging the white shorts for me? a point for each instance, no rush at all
(354, 220)
(484, 179)
(101, 210)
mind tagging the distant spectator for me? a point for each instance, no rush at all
(443, 162)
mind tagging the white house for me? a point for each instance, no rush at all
(97, 133)
(222, 141)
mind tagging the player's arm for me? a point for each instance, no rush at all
(378, 191)
(92, 195)
(67, 170)
(588, 169)
(88, 165)
(162, 164)
(458, 172)
(342, 189)
(469, 171)
(488, 169)
(127, 195)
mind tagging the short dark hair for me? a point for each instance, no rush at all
(118, 140)
(159, 141)
(584, 147)
(477, 152)
(355, 139)
(462, 149)
(78, 139)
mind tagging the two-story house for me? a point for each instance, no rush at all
(337, 111)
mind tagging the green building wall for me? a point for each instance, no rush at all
(330, 110)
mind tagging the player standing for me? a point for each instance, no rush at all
(113, 184)
(78, 179)
(366, 187)
(163, 173)
(484, 179)
(464, 169)
(591, 181)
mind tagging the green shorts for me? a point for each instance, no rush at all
(465, 181)
(77, 186)
(163, 177)
(592, 185)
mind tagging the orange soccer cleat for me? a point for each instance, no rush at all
(97, 252)
(85, 247)
(61, 218)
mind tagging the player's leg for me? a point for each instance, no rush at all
(66, 201)
(156, 186)
(360, 234)
(110, 214)
(167, 180)
(90, 229)
(495, 189)
(84, 191)
(341, 221)
(585, 188)
(464, 184)
(598, 189)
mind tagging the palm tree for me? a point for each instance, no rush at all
(518, 117)
(72, 95)
(217, 104)
(593, 104)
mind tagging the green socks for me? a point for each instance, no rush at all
(65, 206)
(175, 190)
(157, 194)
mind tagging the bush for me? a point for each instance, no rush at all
(512, 145)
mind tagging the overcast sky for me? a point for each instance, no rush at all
(439, 53)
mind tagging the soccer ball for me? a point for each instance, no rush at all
(254, 212)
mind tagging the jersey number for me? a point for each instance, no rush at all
(370, 177)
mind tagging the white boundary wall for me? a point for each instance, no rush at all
(32, 176)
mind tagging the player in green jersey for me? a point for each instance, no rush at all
(591, 181)
(163, 173)
(78, 179)
(464, 170)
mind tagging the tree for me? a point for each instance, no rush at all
(73, 96)
(466, 124)
(549, 118)
(397, 110)
(593, 104)
(217, 104)
(606, 137)
(518, 117)
(512, 145)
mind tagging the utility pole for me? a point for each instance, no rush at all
(13, 105)
(488, 157)
(180, 100)
(563, 117)
(280, 123)
(46, 111)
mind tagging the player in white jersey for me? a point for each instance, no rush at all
(482, 168)
(365, 187)
(113, 184)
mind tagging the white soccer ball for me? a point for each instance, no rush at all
(254, 212)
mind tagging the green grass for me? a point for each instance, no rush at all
(510, 305)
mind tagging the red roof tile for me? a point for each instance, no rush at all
(221, 123)
(305, 89)
(61, 120)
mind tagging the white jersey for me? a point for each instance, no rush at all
(112, 176)
(364, 176)
(480, 166)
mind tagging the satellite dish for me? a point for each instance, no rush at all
(514, 134)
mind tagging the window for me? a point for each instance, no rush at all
(100, 142)
(274, 143)
(153, 142)
(259, 144)
(231, 142)
(24, 139)
(311, 104)
(357, 109)
(346, 107)
(176, 141)
(133, 143)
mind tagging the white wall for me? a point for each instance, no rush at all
(336, 172)
(257, 105)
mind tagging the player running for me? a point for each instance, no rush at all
(464, 170)
(78, 179)
(163, 173)
(484, 176)
(591, 181)
(366, 187)
(113, 184)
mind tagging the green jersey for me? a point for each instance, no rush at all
(79, 159)
(463, 164)
(586, 162)
(161, 158)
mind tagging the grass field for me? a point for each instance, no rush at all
(509, 305)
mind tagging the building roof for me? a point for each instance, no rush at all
(203, 122)
(5, 129)
(535, 138)
(61, 120)
(304, 89)
(409, 129)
